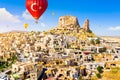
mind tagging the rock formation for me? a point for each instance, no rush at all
(86, 26)
(69, 26)
(68, 21)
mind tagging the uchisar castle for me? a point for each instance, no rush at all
(69, 26)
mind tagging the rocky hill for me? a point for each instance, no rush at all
(69, 25)
(111, 38)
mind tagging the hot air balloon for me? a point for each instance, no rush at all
(53, 13)
(36, 7)
(26, 25)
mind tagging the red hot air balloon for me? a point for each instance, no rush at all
(36, 7)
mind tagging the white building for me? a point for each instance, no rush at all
(117, 49)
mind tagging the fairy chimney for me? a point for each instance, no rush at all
(86, 26)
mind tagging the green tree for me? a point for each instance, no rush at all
(92, 42)
(90, 31)
(100, 69)
(82, 49)
(98, 75)
(104, 49)
(68, 46)
(5, 65)
(97, 41)
(16, 76)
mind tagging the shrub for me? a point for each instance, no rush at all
(92, 42)
(98, 75)
(97, 41)
(104, 49)
(99, 69)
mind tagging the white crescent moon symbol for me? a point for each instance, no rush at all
(32, 7)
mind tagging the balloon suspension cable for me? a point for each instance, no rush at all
(36, 21)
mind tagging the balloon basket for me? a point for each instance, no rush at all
(36, 22)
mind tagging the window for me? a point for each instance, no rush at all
(60, 19)
(113, 64)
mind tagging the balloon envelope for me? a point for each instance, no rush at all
(36, 7)
(26, 25)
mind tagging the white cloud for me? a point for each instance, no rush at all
(117, 28)
(7, 17)
(26, 15)
(42, 25)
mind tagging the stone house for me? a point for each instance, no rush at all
(117, 50)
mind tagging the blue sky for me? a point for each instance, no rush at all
(104, 15)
